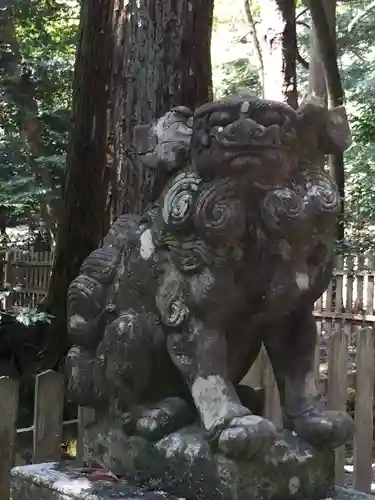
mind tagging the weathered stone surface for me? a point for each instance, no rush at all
(61, 482)
(184, 464)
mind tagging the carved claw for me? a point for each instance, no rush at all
(247, 437)
(329, 429)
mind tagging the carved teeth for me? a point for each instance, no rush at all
(245, 107)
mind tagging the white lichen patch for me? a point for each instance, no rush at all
(211, 399)
(77, 321)
(147, 248)
(294, 485)
(303, 281)
(208, 394)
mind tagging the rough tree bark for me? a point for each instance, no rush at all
(86, 184)
(279, 41)
(162, 59)
(325, 80)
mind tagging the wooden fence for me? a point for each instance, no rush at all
(29, 273)
(45, 437)
(333, 387)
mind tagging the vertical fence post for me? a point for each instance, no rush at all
(317, 353)
(85, 417)
(8, 279)
(48, 417)
(8, 431)
(337, 385)
(364, 410)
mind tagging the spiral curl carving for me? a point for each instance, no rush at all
(178, 206)
(191, 253)
(322, 192)
(283, 206)
(170, 299)
(219, 213)
(176, 313)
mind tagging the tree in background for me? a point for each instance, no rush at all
(278, 38)
(82, 219)
(162, 59)
(37, 44)
(325, 81)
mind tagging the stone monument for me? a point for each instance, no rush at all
(167, 316)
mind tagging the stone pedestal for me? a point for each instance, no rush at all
(183, 464)
(61, 482)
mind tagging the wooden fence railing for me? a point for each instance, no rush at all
(45, 437)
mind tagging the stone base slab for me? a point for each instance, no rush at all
(183, 464)
(62, 482)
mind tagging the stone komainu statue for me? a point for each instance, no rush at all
(171, 311)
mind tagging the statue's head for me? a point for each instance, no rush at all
(262, 141)
(245, 151)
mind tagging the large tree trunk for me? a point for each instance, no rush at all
(279, 41)
(325, 80)
(162, 59)
(86, 184)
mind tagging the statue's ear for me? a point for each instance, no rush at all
(330, 125)
(336, 137)
(145, 141)
(165, 143)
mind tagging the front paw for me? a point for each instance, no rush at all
(156, 421)
(247, 437)
(328, 429)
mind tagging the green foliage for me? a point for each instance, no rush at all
(46, 33)
(235, 75)
(44, 51)
(357, 64)
(30, 317)
(25, 316)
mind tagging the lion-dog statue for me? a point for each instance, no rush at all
(174, 307)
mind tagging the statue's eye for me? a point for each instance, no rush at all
(222, 118)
